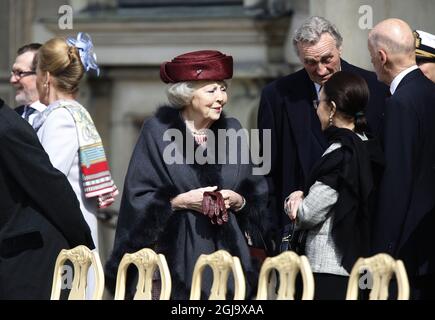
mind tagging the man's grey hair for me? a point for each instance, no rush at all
(180, 94)
(312, 29)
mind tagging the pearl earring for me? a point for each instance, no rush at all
(330, 120)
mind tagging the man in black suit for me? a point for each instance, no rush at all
(405, 224)
(287, 107)
(39, 212)
(23, 79)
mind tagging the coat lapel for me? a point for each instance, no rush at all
(414, 75)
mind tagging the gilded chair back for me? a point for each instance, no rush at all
(379, 270)
(288, 264)
(221, 263)
(146, 261)
(82, 258)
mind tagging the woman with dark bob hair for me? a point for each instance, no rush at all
(179, 158)
(335, 212)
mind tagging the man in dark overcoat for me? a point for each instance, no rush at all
(287, 108)
(405, 221)
(39, 212)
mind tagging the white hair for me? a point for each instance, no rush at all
(180, 94)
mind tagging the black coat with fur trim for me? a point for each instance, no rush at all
(147, 220)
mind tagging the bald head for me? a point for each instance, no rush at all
(392, 49)
(394, 36)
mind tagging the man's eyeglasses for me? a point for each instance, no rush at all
(22, 74)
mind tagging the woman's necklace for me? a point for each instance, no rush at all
(199, 135)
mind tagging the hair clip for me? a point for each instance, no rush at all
(86, 50)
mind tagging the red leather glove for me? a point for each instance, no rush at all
(213, 206)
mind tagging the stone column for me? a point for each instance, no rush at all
(16, 17)
(4, 51)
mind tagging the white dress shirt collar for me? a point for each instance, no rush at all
(38, 106)
(399, 77)
(32, 111)
(318, 87)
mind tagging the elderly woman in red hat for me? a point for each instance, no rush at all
(184, 194)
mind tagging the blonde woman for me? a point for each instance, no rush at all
(66, 129)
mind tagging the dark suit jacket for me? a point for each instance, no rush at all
(286, 107)
(20, 109)
(405, 225)
(39, 212)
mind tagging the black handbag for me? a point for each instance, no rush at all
(293, 240)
